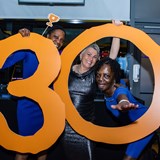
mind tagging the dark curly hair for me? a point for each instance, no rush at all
(115, 67)
(55, 27)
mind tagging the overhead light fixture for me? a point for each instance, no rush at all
(75, 21)
(152, 27)
(53, 2)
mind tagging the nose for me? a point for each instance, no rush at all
(101, 78)
(90, 58)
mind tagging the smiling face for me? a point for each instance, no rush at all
(58, 37)
(89, 58)
(105, 79)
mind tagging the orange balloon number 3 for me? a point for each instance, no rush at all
(36, 88)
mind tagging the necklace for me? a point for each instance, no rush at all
(80, 70)
(80, 73)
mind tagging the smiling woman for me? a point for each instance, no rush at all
(82, 89)
(120, 102)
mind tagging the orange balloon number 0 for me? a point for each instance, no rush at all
(145, 125)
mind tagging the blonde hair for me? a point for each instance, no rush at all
(94, 46)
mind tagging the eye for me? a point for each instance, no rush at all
(88, 53)
(96, 57)
(97, 75)
(56, 37)
(107, 76)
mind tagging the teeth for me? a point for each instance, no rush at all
(101, 84)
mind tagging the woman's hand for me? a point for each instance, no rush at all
(117, 22)
(124, 106)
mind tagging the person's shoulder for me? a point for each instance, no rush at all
(74, 68)
(121, 89)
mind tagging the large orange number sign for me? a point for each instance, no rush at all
(36, 88)
(118, 135)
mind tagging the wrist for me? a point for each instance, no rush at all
(123, 100)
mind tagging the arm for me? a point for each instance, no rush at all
(124, 104)
(115, 42)
(114, 48)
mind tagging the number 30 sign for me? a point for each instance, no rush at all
(57, 106)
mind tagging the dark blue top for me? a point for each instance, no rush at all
(30, 62)
(29, 114)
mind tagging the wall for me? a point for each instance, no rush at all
(92, 10)
(147, 10)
